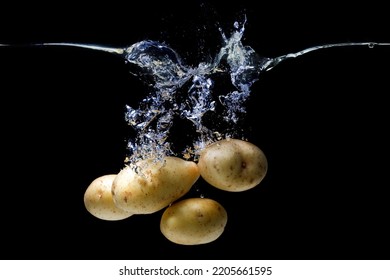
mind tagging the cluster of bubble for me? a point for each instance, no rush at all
(154, 117)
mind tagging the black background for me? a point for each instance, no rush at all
(321, 120)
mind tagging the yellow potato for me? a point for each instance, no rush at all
(193, 221)
(98, 200)
(232, 165)
(156, 187)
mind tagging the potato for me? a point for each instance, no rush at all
(232, 165)
(156, 187)
(193, 221)
(98, 200)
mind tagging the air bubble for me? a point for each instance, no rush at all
(240, 63)
(181, 91)
(154, 117)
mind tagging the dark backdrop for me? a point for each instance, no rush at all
(320, 119)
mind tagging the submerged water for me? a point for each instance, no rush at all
(182, 92)
(187, 92)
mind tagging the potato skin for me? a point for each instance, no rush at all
(193, 221)
(98, 200)
(232, 165)
(159, 186)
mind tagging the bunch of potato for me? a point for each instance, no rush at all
(150, 186)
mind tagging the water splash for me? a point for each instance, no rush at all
(241, 63)
(155, 116)
(181, 91)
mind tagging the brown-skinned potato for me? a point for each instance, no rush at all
(232, 165)
(156, 185)
(99, 202)
(193, 221)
